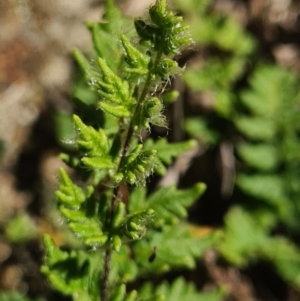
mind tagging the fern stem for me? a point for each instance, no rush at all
(115, 196)
(130, 129)
(140, 101)
(104, 285)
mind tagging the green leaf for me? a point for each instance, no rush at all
(112, 89)
(117, 111)
(179, 290)
(166, 68)
(105, 44)
(223, 103)
(261, 156)
(94, 143)
(21, 228)
(255, 127)
(71, 161)
(216, 74)
(137, 199)
(138, 62)
(219, 30)
(170, 204)
(95, 146)
(137, 166)
(106, 34)
(118, 215)
(115, 20)
(136, 225)
(267, 93)
(98, 162)
(285, 257)
(119, 294)
(74, 207)
(243, 238)
(89, 231)
(123, 267)
(167, 34)
(269, 188)
(176, 247)
(64, 129)
(169, 97)
(75, 274)
(198, 128)
(167, 151)
(116, 243)
(69, 193)
(131, 296)
(85, 227)
(232, 37)
(82, 61)
(150, 113)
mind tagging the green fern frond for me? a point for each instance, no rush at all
(167, 33)
(167, 151)
(263, 157)
(136, 225)
(74, 274)
(93, 143)
(124, 268)
(137, 166)
(169, 203)
(176, 247)
(73, 206)
(137, 61)
(105, 34)
(256, 128)
(119, 294)
(269, 188)
(179, 290)
(112, 159)
(243, 239)
(69, 194)
(285, 257)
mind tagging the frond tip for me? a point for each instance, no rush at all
(165, 32)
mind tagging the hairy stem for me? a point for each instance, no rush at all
(140, 101)
(116, 193)
(104, 286)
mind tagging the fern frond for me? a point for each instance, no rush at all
(179, 290)
(169, 203)
(74, 274)
(167, 151)
(73, 206)
(176, 248)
